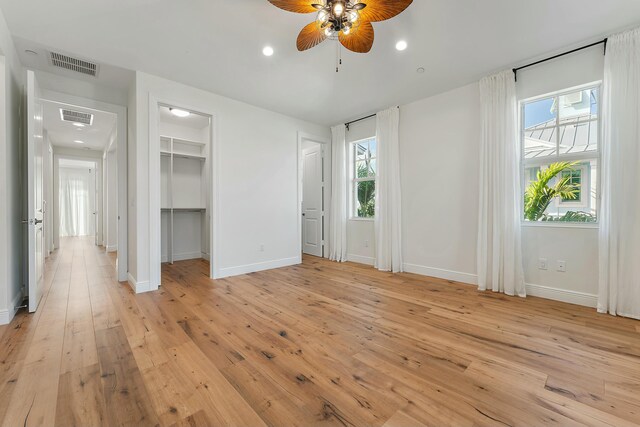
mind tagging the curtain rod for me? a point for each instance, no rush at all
(515, 70)
(360, 119)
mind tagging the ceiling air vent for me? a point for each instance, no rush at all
(76, 117)
(74, 64)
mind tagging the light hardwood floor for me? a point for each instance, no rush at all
(316, 344)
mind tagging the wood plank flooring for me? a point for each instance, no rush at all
(316, 344)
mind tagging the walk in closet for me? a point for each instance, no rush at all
(184, 171)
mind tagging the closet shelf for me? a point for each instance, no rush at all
(183, 209)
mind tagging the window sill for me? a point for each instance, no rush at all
(362, 219)
(546, 224)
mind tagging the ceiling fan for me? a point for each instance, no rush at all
(346, 20)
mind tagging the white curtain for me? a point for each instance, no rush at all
(388, 219)
(500, 210)
(77, 201)
(338, 210)
(619, 225)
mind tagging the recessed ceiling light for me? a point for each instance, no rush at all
(267, 51)
(179, 113)
(30, 52)
(420, 70)
(78, 141)
(401, 45)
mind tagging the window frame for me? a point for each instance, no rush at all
(582, 157)
(353, 180)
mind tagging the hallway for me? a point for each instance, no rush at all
(320, 343)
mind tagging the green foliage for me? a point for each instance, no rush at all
(539, 194)
(366, 192)
(573, 217)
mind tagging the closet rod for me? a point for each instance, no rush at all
(359, 120)
(515, 70)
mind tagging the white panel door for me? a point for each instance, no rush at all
(312, 187)
(35, 207)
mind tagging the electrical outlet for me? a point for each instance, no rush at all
(562, 266)
(366, 243)
(542, 264)
(261, 248)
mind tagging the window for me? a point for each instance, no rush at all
(363, 178)
(560, 155)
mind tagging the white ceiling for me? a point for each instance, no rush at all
(64, 134)
(216, 45)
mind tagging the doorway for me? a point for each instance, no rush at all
(77, 198)
(182, 198)
(313, 193)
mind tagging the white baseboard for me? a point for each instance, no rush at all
(185, 256)
(572, 297)
(112, 248)
(6, 316)
(440, 273)
(260, 266)
(138, 287)
(361, 259)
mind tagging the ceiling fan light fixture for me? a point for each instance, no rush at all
(338, 8)
(323, 16)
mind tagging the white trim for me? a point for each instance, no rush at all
(260, 266)
(111, 248)
(564, 295)
(326, 154)
(6, 316)
(361, 259)
(440, 273)
(560, 224)
(186, 256)
(138, 287)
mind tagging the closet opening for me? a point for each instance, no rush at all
(186, 189)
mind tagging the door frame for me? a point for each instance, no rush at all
(155, 222)
(326, 145)
(122, 267)
(56, 190)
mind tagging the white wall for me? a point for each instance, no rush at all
(111, 201)
(48, 193)
(360, 232)
(257, 177)
(439, 150)
(11, 175)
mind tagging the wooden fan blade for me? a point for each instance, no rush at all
(297, 6)
(381, 10)
(310, 36)
(360, 39)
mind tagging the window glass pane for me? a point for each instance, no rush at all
(579, 137)
(361, 150)
(549, 197)
(373, 147)
(574, 179)
(539, 113)
(539, 129)
(578, 106)
(365, 199)
(373, 167)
